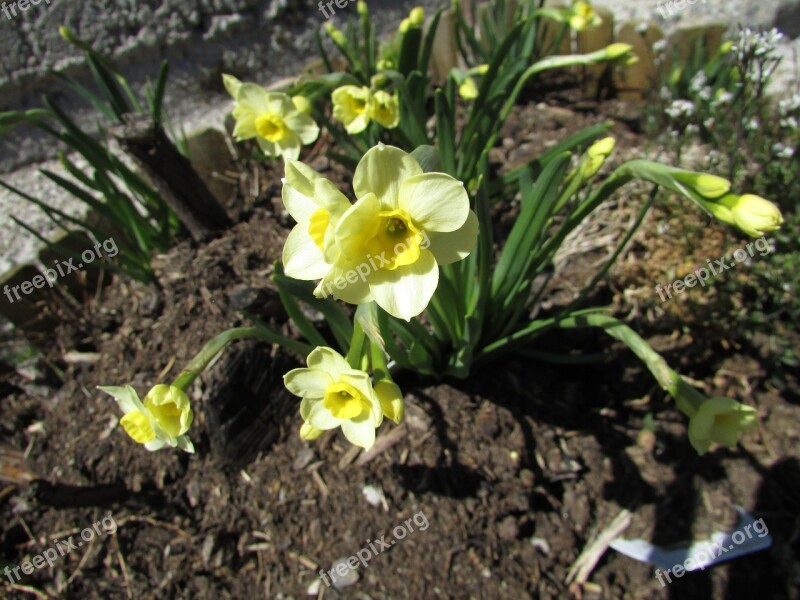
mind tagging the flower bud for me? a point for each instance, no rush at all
(362, 8)
(754, 215)
(468, 89)
(309, 432)
(405, 25)
(708, 186)
(391, 399)
(596, 156)
(417, 16)
(336, 35)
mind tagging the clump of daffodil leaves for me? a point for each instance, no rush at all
(410, 242)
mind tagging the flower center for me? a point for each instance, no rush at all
(271, 127)
(358, 106)
(344, 401)
(396, 240)
(167, 415)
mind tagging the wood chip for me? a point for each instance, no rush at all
(382, 444)
(581, 569)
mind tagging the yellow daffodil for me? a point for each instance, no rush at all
(404, 224)
(582, 15)
(335, 395)
(279, 124)
(719, 420)
(162, 420)
(384, 108)
(754, 215)
(387, 246)
(316, 205)
(351, 106)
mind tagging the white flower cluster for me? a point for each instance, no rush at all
(680, 108)
(757, 43)
(698, 85)
(782, 151)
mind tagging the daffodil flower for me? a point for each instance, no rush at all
(404, 224)
(316, 204)
(384, 109)
(582, 15)
(162, 420)
(280, 125)
(356, 107)
(719, 420)
(351, 106)
(335, 395)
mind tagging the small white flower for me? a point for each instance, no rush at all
(680, 108)
(660, 46)
(722, 99)
(698, 82)
(789, 123)
(782, 151)
(753, 124)
(789, 105)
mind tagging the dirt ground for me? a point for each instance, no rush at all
(509, 474)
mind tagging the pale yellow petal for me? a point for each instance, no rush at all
(304, 127)
(126, 397)
(320, 417)
(232, 84)
(302, 258)
(301, 177)
(381, 171)
(329, 361)
(289, 147)
(406, 291)
(254, 97)
(360, 432)
(271, 149)
(307, 383)
(434, 201)
(357, 225)
(454, 246)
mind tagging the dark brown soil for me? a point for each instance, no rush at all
(515, 469)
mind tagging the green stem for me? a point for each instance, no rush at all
(356, 346)
(198, 364)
